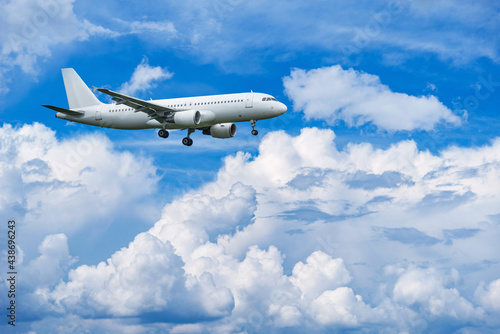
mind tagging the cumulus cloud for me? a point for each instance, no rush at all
(427, 288)
(226, 245)
(50, 184)
(144, 77)
(224, 256)
(146, 277)
(320, 273)
(334, 94)
(340, 307)
(54, 260)
(489, 295)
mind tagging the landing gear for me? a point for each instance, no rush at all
(163, 133)
(188, 141)
(254, 132)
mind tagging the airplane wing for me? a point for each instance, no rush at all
(64, 111)
(152, 109)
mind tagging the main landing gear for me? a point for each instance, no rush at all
(254, 132)
(188, 141)
(163, 133)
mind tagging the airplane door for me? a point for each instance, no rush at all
(98, 116)
(249, 101)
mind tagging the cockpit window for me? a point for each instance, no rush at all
(269, 99)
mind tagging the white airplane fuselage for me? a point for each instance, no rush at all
(214, 115)
(242, 107)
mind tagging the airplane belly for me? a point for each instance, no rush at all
(238, 115)
(254, 113)
(136, 121)
(125, 121)
(223, 116)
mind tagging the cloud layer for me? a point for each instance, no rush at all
(334, 94)
(224, 32)
(285, 239)
(68, 186)
(32, 29)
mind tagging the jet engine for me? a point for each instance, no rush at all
(222, 130)
(187, 118)
(207, 117)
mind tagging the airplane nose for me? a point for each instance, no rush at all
(282, 108)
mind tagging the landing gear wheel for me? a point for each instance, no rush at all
(163, 133)
(254, 132)
(187, 141)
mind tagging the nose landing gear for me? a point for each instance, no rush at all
(254, 132)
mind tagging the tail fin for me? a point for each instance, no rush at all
(79, 95)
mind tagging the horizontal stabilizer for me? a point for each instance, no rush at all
(64, 111)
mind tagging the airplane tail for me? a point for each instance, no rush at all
(79, 95)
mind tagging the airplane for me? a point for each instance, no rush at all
(214, 115)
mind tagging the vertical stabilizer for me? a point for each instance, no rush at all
(79, 95)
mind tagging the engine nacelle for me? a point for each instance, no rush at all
(207, 116)
(222, 130)
(187, 118)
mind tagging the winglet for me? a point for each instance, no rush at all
(94, 88)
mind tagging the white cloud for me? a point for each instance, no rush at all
(489, 295)
(213, 31)
(33, 28)
(145, 277)
(137, 27)
(144, 78)
(283, 239)
(48, 269)
(50, 184)
(428, 288)
(333, 94)
(320, 273)
(339, 307)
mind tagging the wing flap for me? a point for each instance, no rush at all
(64, 111)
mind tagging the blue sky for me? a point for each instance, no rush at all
(371, 205)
